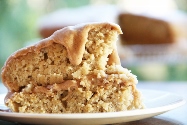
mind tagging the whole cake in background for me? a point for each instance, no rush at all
(76, 70)
(152, 37)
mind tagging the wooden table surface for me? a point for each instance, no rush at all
(174, 117)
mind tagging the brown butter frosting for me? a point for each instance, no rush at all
(73, 38)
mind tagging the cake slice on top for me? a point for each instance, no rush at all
(76, 70)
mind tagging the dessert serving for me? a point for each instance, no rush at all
(76, 70)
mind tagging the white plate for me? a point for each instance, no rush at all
(157, 102)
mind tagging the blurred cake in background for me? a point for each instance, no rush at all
(152, 37)
(145, 30)
(150, 29)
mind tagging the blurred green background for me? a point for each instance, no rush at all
(18, 25)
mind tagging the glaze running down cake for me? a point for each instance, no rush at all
(76, 70)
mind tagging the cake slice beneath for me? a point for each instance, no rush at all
(76, 70)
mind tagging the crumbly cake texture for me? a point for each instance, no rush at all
(145, 30)
(76, 70)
